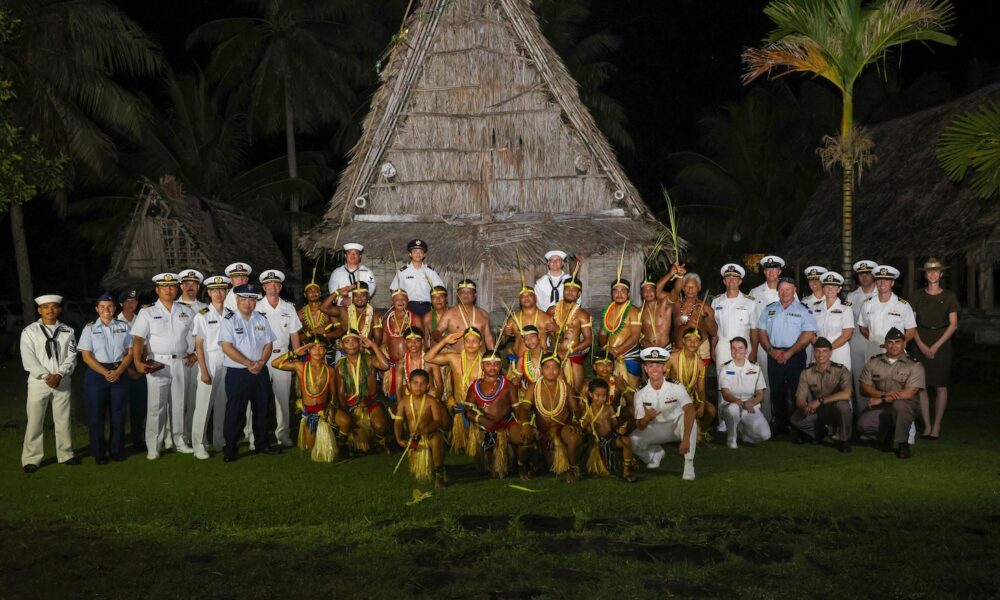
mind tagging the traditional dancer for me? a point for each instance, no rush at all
(609, 428)
(556, 406)
(421, 415)
(317, 407)
(466, 367)
(575, 331)
(620, 331)
(357, 392)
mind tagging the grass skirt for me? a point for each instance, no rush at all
(473, 439)
(595, 462)
(421, 462)
(560, 460)
(500, 455)
(325, 448)
(459, 437)
(361, 435)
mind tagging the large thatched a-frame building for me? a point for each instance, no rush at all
(906, 209)
(477, 141)
(172, 230)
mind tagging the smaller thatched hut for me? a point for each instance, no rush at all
(906, 209)
(171, 230)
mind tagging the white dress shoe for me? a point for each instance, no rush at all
(688, 470)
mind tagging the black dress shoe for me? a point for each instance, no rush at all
(903, 451)
(30, 468)
(118, 457)
(268, 450)
(844, 447)
(101, 461)
(72, 462)
(228, 458)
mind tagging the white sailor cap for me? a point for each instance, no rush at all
(354, 246)
(832, 278)
(248, 290)
(733, 270)
(166, 279)
(49, 299)
(217, 282)
(772, 261)
(191, 275)
(238, 269)
(272, 276)
(865, 266)
(814, 272)
(552, 253)
(885, 272)
(654, 354)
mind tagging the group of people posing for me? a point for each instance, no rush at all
(430, 378)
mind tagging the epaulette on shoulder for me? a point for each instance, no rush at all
(404, 267)
(717, 296)
(89, 323)
(229, 315)
(261, 314)
(868, 299)
(727, 362)
(748, 296)
(845, 303)
(835, 364)
(203, 311)
(146, 305)
(901, 300)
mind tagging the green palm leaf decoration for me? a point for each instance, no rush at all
(972, 142)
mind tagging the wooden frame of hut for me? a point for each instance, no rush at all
(171, 230)
(478, 143)
(907, 209)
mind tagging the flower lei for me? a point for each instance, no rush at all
(605, 323)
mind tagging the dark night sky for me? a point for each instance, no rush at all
(679, 61)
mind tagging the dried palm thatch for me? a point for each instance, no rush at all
(905, 206)
(171, 230)
(477, 142)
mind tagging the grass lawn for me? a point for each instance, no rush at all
(775, 521)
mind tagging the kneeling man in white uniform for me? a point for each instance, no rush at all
(663, 413)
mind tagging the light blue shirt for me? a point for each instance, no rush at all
(108, 343)
(785, 325)
(248, 336)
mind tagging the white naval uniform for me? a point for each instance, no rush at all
(166, 333)
(210, 398)
(743, 382)
(40, 365)
(762, 296)
(831, 323)
(859, 344)
(343, 277)
(668, 426)
(191, 383)
(879, 317)
(284, 321)
(543, 290)
(815, 306)
(735, 317)
(417, 283)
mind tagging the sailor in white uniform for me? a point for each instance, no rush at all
(549, 287)
(742, 386)
(835, 319)
(285, 324)
(238, 274)
(664, 413)
(417, 279)
(347, 275)
(859, 344)
(210, 398)
(764, 294)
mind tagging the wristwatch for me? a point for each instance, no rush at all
(821, 401)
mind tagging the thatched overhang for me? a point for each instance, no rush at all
(478, 142)
(905, 205)
(171, 230)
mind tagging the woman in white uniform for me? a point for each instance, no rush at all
(836, 319)
(742, 385)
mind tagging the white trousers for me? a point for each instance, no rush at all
(39, 396)
(753, 424)
(208, 398)
(192, 377)
(859, 346)
(765, 404)
(165, 402)
(281, 386)
(646, 443)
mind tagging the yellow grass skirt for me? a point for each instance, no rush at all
(361, 434)
(560, 460)
(473, 439)
(325, 447)
(421, 462)
(595, 462)
(500, 455)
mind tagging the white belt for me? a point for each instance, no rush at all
(169, 356)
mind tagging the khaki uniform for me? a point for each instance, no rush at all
(816, 383)
(888, 417)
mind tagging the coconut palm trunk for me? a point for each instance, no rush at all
(22, 262)
(293, 202)
(847, 192)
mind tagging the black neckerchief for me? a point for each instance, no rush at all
(51, 345)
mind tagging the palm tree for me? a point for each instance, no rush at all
(587, 59)
(836, 40)
(971, 142)
(65, 65)
(296, 65)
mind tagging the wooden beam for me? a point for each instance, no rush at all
(986, 290)
(970, 277)
(911, 276)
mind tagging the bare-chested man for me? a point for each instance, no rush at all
(357, 392)
(359, 315)
(394, 323)
(466, 367)
(463, 315)
(439, 305)
(656, 312)
(687, 368)
(414, 359)
(620, 332)
(556, 405)
(528, 314)
(527, 367)
(609, 429)
(620, 393)
(489, 404)
(575, 332)
(692, 310)
(421, 414)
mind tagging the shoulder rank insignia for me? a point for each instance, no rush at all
(229, 315)
(203, 311)
(846, 303)
(901, 301)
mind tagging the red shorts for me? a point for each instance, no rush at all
(576, 359)
(503, 425)
(311, 409)
(369, 405)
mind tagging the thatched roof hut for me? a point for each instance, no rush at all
(171, 230)
(905, 207)
(477, 141)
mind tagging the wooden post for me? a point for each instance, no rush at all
(985, 284)
(970, 277)
(911, 276)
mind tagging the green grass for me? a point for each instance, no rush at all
(775, 521)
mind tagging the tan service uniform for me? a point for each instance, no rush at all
(898, 416)
(815, 383)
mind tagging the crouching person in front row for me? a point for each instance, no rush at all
(609, 427)
(421, 415)
(824, 399)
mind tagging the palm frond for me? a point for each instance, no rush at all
(972, 143)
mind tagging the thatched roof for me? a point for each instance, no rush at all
(171, 230)
(905, 205)
(492, 149)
